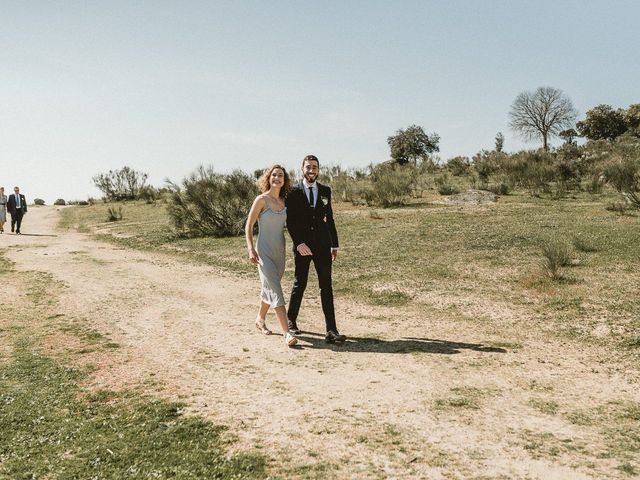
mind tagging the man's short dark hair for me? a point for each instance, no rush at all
(311, 158)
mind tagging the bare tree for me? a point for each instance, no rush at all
(542, 114)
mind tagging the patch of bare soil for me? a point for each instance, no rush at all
(408, 396)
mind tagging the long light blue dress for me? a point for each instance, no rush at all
(3, 208)
(271, 250)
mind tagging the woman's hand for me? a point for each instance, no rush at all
(253, 256)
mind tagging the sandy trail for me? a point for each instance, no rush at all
(381, 406)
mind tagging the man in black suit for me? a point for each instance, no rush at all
(315, 239)
(17, 206)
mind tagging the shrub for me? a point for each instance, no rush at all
(391, 184)
(444, 186)
(123, 184)
(209, 203)
(114, 214)
(584, 243)
(38, 201)
(570, 166)
(459, 166)
(149, 194)
(531, 170)
(618, 207)
(488, 163)
(347, 185)
(623, 173)
(60, 201)
(596, 183)
(501, 188)
(556, 254)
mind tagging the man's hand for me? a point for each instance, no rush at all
(334, 254)
(304, 250)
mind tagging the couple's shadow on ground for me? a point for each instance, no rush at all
(401, 345)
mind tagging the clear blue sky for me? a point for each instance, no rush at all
(164, 86)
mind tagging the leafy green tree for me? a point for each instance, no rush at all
(569, 135)
(542, 114)
(412, 144)
(602, 123)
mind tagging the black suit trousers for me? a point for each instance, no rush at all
(16, 220)
(322, 263)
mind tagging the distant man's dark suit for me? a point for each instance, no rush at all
(16, 213)
(314, 227)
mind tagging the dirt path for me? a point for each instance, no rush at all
(410, 398)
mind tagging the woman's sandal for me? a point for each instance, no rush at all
(262, 326)
(290, 340)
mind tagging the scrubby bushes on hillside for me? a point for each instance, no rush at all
(209, 203)
(391, 184)
(348, 185)
(622, 171)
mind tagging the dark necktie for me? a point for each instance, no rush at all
(311, 202)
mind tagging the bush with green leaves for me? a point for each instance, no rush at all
(123, 184)
(445, 186)
(114, 214)
(149, 194)
(60, 201)
(391, 184)
(557, 254)
(212, 204)
(499, 188)
(38, 201)
(533, 171)
(347, 185)
(622, 171)
(459, 166)
(487, 163)
(585, 243)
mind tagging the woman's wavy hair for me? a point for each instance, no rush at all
(264, 185)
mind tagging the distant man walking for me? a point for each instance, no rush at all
(17, 206)
(313, 231)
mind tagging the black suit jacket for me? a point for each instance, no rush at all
(313, 226)
(11, 204)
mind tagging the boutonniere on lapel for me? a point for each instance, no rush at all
(325, 201)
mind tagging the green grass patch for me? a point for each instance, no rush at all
(460, 397)
(49, 428)
(549, 407)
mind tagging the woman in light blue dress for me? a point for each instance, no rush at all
(269, 254)
(3, 209)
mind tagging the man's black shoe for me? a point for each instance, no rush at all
(334, 337)
(293, 328)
